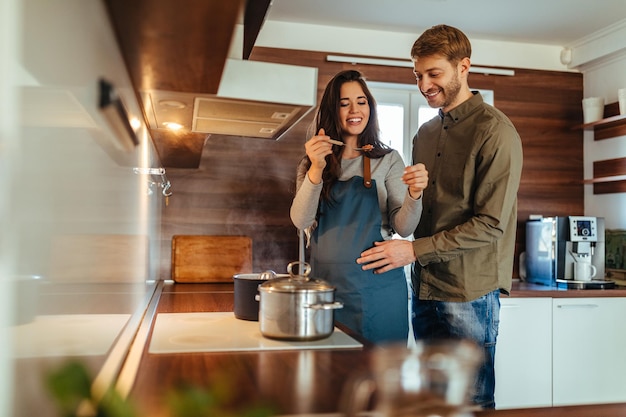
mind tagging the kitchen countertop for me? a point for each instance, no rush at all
(304, 383)
(525, 289)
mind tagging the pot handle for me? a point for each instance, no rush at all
(324, 306)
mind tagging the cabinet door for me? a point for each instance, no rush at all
(524, 353)
(589, 335)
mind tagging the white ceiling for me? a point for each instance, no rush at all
(548, 22)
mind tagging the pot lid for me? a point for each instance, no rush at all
(263, 276)
(291, 284)
(297, 283)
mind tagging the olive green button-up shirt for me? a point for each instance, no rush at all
(465, 240)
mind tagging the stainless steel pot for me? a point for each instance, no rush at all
(246, 288)
(297, 307)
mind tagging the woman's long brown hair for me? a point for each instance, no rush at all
(328, 119)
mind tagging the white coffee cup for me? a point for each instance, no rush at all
(621, 98)
(583, 269)
(593, 109)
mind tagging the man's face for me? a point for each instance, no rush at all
(439, 81)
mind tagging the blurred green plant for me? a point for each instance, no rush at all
(70, 386)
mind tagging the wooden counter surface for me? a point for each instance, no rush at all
(293, 382)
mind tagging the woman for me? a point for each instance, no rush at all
(344, 212)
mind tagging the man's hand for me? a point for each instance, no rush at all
(387, 255)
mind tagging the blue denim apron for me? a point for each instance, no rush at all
(375, 305)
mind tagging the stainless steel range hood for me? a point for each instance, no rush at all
(257, 99)
(254, 99)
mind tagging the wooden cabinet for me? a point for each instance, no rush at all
(589, 365)
(524, 353)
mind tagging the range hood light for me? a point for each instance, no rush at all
(173, 126)
(175, 104)
(280, 115)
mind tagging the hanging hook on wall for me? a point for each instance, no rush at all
(166, 185)
(163, 182)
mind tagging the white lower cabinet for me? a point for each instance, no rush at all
(561, 351)
(524, 353)
(589, 350)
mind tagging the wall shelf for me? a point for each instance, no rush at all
(605, 179)
(617, 119)
(612, 125)
(609, 176)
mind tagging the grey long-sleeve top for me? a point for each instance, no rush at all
(400, 213)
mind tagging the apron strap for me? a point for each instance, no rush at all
(367, 172)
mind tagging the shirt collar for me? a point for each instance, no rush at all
(462, 110)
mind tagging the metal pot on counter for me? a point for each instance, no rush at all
(246, 287)
(297, 307)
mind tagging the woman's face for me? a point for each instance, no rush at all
(354, 109)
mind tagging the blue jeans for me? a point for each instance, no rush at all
(475, 320)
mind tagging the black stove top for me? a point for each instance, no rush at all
(570, 284)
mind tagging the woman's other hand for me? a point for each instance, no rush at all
(416, 177)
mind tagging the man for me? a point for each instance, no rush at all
(464, 243)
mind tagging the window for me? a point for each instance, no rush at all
(401, 111)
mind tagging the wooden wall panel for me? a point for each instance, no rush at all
(610, 187)
(609, 167)
(244, 186)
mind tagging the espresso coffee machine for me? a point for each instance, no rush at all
(554, 244)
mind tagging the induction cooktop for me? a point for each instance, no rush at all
(599, 284)
(222, 332)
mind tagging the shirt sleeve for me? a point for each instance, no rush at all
(404, 211)
(304, 206)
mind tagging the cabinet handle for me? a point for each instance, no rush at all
(577, 306)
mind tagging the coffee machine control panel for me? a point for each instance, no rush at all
(583, 229)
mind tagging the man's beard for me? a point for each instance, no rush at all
(451, 90)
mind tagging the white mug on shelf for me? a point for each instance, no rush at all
(584, 270)
(593, 109)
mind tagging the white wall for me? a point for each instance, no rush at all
(66, 186)
(603, 78)
(8, 138)
(395, 45)
(604, 82)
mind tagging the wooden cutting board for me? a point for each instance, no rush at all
(201, 258)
